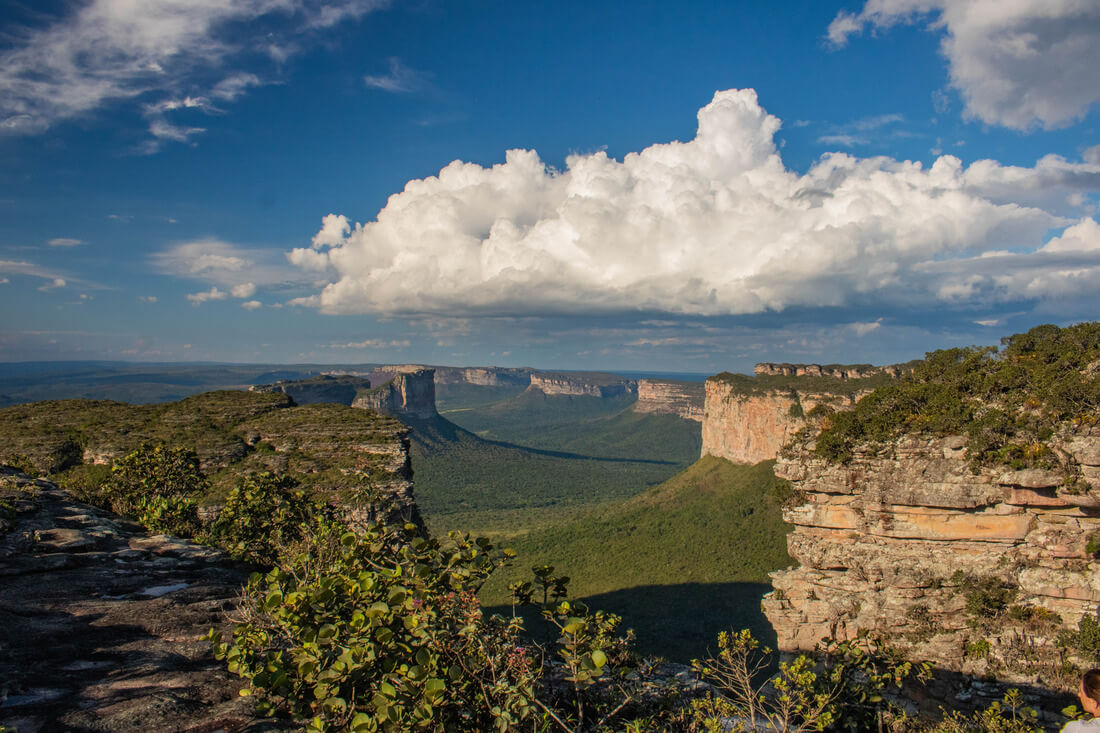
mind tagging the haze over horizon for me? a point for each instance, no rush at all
(627, 187)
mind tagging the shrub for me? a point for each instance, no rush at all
(263, 514)
(382, 631)
(840, 686)
(155, 486)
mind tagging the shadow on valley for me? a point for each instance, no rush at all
(677, 622)
(439, 433)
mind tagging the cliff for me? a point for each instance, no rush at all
(684, 399)
(408, 393)
(981, 570)
(590, 384)
(748, 420)
(836, 371)
(483, 376)
(341, 390)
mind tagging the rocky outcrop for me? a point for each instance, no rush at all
(836, 371)
(341, 390)
(408, 393)
(586, 384)
(101, 624)
(683, 399)
(749, 426)
(484, 376)
(977, 569)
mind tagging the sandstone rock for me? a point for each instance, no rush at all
(684, 399)
(890, 534)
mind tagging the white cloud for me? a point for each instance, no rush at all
(147, 298)
(244, 290)
(716, 225)
(109, 50)
(251, 305)
(862, 329)
(65, 242)
(211, 294)
(3, 281)
(1016, 64)
(230, 266)
(373, 344)
(57, 282)
(400, 78)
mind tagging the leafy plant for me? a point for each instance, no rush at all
(263, 514)
(155, 485)
(840, 686)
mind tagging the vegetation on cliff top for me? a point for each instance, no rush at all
(1009, 402)
(760, 384)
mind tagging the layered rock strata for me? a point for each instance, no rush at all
(582, 384)
(409, 392)
(978, 570)
(749, 427)
(683, 399)
(836, 371)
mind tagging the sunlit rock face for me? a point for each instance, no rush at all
(590, 385)
(884, 543)
(683, 399)
(408, 393)
(751, 427)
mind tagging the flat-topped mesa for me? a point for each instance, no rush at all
(660, 396)
(484, 376)
(408, 393)
(591, 384)
(836, 371)
(339, 389)
(977, 569)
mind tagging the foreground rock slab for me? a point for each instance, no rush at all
(101, 624)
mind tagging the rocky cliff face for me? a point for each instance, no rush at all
(483, 376)
(340, 390)
(581, 384)
(684, 399)
(836, 371)
(751, 426)
(411, 393)
(976, 570)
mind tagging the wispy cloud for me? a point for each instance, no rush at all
(400, 79)
(65, 242)
(373, 344)
(106, 51)
(863, 131)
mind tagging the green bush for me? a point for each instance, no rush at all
(1008, 402)
(263, 514)
(156, 486)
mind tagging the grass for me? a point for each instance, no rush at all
(679, 562)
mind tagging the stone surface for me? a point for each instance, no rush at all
(683, 399)
(590, 384)
(101, 625)
(407, 393)
(340, 390)
(883, 543)
(749, 428)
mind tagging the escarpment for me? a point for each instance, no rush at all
(590, 384)
(748, 419)
(408, 393)
(977, 570)
(659, 396)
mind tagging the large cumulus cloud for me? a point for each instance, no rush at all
(713, 226)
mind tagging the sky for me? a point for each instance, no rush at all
(689, 187)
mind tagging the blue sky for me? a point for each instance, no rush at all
(693, 187)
